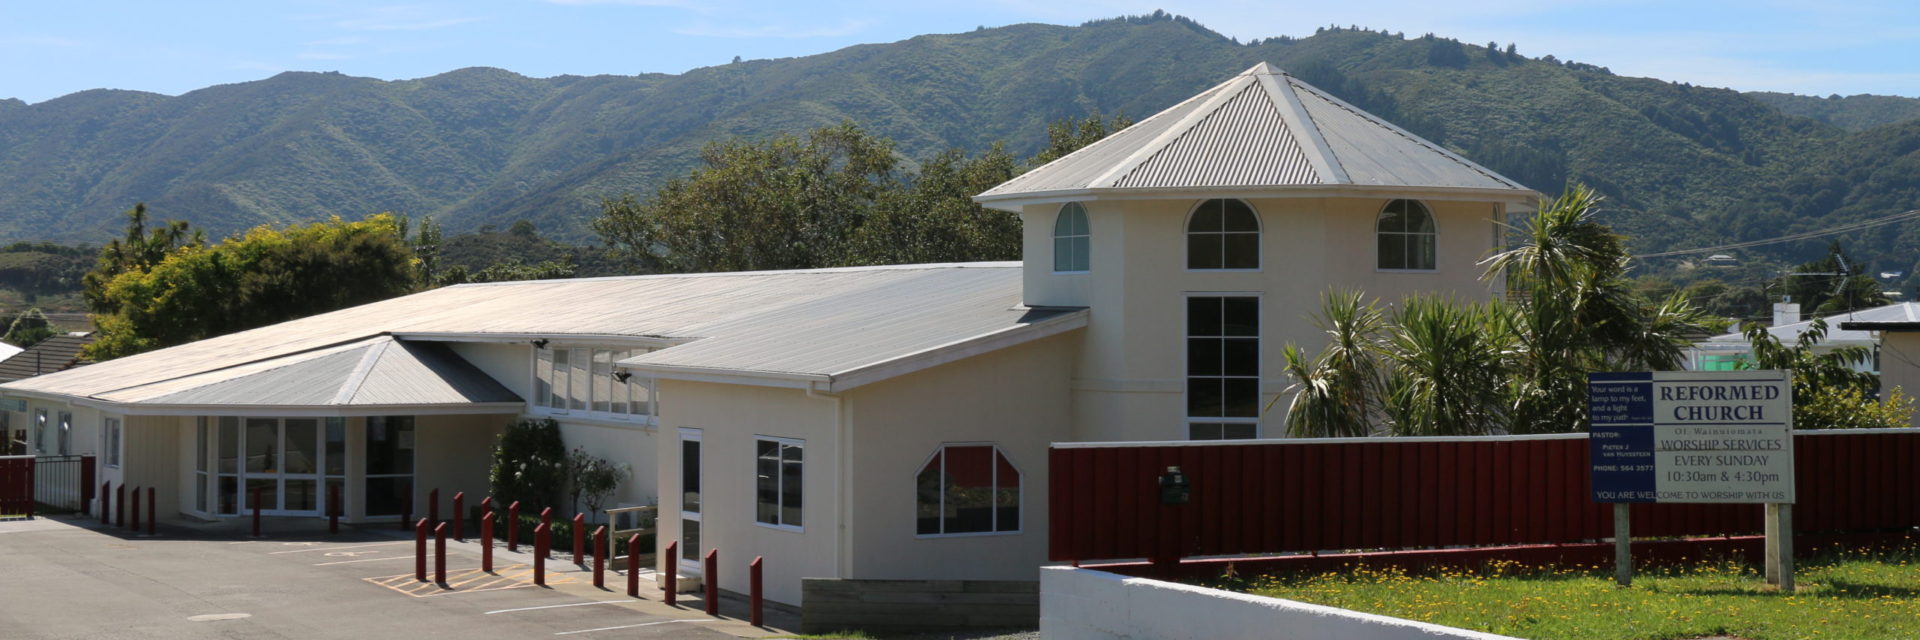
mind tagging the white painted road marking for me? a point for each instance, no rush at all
(630, 626)
(216, 617)
(556, 606)
(322, 564)
(357, 546)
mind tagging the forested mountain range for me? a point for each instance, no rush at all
(1681, 165)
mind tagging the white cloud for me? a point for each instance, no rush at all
(845, 28)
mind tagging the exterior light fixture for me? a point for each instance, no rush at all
(622, 375)
(540, 343)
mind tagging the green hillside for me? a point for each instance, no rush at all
(1682, 165)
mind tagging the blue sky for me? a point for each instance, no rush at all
(52, 48)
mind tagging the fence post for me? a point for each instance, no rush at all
(673, 571)
(600, 557)
(579, 536)
(546, 520)
(420, 550)
(486, 542)
(633, 566)
(754, 601)
(256, 512)
(712, 579)
(540, 555)
(153, 513)
(433, 505)
(440, 554)
(333, 508)
(106, 502)
(86, 483)
(120, 510)
(32, 493)
(459, 515)
(513, 526)
(134, 524)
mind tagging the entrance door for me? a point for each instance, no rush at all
(283, 462)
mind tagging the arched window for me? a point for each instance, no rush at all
(1406, 234)
(1223, 234)
(1071, 239)
(967, 488)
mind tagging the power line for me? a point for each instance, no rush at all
(1845, 228)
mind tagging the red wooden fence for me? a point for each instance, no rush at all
(16, 486)
(1405, 493)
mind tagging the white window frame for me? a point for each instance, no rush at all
(688, 434)
(779, 490)
(1060, 217)
(1020, 495)
(111, 441)
(40, 431)
(66, 433)
(1435, 237)
(1186, 245)
(539, 403)
(1186, 334)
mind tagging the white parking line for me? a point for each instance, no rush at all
(358, 546)
(556, 606)
(322, 564)
(630, 626)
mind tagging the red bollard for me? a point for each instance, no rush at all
(333, 508)
(459, 515)
(633, 566)
(753, 592)
(120, 515)
(440, 554)
(420, 550)
(153, 513)
(513, 526)
(711, 578)
(540, 555)
(486, 542)
(600, 557)
(579, 536)
(134, 525)
(433, 505)
(546, 520)
(673, 569)
(106, 502)
(256, 512)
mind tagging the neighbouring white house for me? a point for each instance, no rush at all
(1899, 354)
(1728, 351)
(879, 422)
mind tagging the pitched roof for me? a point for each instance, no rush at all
(770, 327)
(1260, 130)
(1900, 312)
(375, 372)
(56, 353)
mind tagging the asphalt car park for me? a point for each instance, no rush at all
(72, 577)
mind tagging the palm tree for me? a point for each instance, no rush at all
(1448, 370)
(1338, 393)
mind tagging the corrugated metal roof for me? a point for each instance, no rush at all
(378, 371)
(817, 322)
(1260, 129)
(1788, 333)
(56, 353)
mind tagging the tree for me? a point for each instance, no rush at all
(1829, 389)
(1448, 373)
(1834, 284)
(28, 329)
(1070, 135)
(1339, 392)
(139, 250)
(529, 464)
(934, 219)
(591, 480)
(265, 276)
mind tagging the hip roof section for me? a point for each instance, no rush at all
(1262, 129)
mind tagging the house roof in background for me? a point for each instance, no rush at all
(1837, 330)
(56, 353)
(1262, 129)
(800, 327)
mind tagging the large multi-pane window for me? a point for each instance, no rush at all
(40, 434)
(1223, 234)
(227, 467)
(583, 380)
(778, 465)
(1406, 235)
(968, 489)
(1223, 367)
(1072, 239)
(66, 433)
(201, 441)
(689, 494)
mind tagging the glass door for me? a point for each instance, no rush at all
(283, 463)
(690, 500)
(300, 468)
(262, 444)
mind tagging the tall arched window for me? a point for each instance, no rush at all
(1071, 239)
(1223, 234)
(1406, 235)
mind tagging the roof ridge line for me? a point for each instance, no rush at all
(323, 347)
(1410, 136)
(358, 378)
(1120, 170)
(1321, 155)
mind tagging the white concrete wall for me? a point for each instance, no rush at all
(629, 445)
(730, 416)
(1083, 604)
(1016, 398)
(453, 454)
(1130, 380)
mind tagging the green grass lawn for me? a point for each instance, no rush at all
(1862, 595)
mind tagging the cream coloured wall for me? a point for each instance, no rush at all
(1016, 398)
(630, 445)
(729, 417)
(510, 363)
(1129, 382)
(452, 454)
(1900, 364)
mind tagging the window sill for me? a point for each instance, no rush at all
(1072, 273)
(974, 534)
(1386, 270)
(780, 527)
(1193, 270)
(646, 423)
